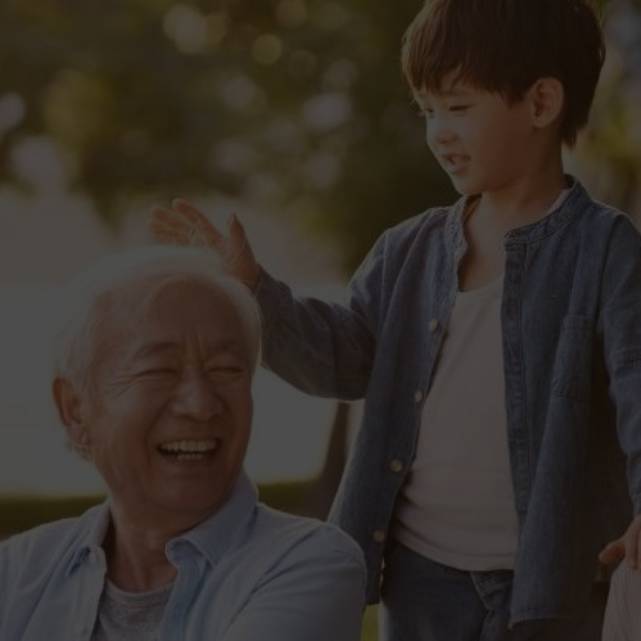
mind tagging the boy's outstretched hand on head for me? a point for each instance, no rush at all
(183, 224)
(628, 547)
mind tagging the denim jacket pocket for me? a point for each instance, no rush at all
(572, 373)
(627, 358)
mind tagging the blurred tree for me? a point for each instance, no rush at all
(611, 147)
(294, 105)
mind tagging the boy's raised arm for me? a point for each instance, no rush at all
(322, 348)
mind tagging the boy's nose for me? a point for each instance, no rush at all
(439, 133)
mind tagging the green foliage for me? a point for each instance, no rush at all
(293, 106)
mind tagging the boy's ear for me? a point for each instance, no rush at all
(547, 99)
(70, 411)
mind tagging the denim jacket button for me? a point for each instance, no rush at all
(379, 536)
(418, 396)
(433, 325)
(396, 466)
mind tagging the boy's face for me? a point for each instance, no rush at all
(483, 142)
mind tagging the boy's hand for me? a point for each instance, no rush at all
(183, 224)
(628, 547)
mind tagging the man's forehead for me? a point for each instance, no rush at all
(173, 316)
(150, 348)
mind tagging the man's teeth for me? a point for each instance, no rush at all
(189, 448)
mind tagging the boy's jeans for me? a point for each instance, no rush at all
(426, 601)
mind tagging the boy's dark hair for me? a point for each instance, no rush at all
(505, 46)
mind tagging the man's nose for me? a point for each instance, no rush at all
(197, 398)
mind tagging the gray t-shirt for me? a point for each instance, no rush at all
(130, 616)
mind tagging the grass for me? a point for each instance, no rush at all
(370, 627)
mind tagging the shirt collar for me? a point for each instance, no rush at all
(225, 529)
(212, 538)
(94, 524)
(564, 210)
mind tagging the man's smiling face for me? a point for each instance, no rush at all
(171, 408)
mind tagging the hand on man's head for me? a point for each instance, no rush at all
(184, 224)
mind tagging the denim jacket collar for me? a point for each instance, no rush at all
(533, 232)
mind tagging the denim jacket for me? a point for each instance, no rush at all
(571, 324)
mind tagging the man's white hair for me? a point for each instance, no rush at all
(120, 283)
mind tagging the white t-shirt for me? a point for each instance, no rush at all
(457, 506)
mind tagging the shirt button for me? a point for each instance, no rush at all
(433, 325)
(396, 466)
(379, 536)
(418, 396)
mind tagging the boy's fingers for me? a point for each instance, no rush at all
(200, 223)
(169, 238)
(237, 233)
(169, 219)
(613, 552)
(164, 215)
(164, 223)
(187, 210)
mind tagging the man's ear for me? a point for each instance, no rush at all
(547, 100)
(70, 411)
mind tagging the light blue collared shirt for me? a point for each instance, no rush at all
(247, 573)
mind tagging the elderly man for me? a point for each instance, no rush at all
(153, 384)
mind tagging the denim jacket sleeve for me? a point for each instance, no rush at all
(620, 324)
(325, 349)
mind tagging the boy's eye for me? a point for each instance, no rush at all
(459, 108)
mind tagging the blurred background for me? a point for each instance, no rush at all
(292, 113)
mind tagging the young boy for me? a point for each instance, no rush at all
(497, 343)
